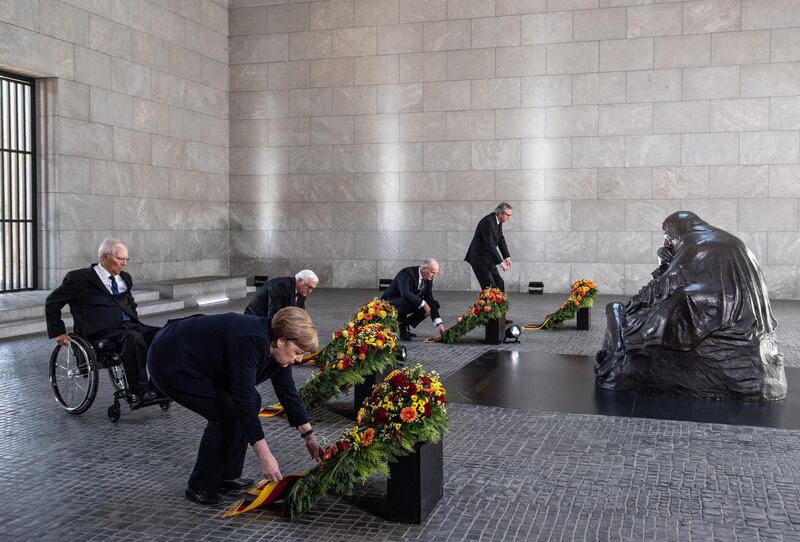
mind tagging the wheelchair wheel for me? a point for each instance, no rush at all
(114, 412)
(73, 375)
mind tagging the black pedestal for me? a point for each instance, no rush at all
(415, 484)
(584, 319)
(362, 391)
(496, 330)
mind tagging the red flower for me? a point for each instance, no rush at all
(412, 388)
(487, 308)
(342, 445)
(398, 379)
(428, 410)
(380, 415)
(426, 382)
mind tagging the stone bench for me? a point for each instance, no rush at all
(201, 290)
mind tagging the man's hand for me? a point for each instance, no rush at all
(440, 327)
(505, 266)
(426, 308)
(508, 263)
(63, 340)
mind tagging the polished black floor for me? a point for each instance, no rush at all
(565, 383)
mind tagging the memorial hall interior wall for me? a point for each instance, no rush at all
(369, 134)
(132, 132)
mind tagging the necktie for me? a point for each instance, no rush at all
(115, 291)
(421, 288)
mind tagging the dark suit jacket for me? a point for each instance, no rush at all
(273, 296)
(94, 309)
(205, 355)
(488, 238)
(403, 289)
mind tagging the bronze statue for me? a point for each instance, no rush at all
(702, 327)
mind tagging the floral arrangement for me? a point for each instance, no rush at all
(581, 296)
(364, 346)
(406, 409)
(490, 304)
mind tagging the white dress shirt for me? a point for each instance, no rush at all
(105, 278)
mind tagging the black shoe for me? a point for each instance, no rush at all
(148, 396)
(411, 333)
(509, 321)
(202, 496)
(236, 483)
(405, 336)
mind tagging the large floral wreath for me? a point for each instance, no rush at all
(406, 409)
(581, 296)
(364, 346)
(491, 304)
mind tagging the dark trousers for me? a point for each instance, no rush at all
(223, 445)
(489, 277)
(410, 315)
(132, 339)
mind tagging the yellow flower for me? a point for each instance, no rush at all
(398, 426)
(360, 316)
(382, 314)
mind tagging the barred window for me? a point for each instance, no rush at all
(17, 184)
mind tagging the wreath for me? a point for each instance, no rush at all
(491, 304)
(364, 346)
(581, 296)
(406, 409)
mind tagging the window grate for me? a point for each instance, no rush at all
(17, 184)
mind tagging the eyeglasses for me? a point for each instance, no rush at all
(126, 260)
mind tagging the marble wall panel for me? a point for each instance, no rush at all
(447, 35)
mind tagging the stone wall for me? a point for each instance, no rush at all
(133, 131)
(367, 134)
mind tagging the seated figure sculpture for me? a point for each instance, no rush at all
(702, 327)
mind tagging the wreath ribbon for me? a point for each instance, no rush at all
(271, 411)
(263, 494)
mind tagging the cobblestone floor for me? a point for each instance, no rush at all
(509, 474)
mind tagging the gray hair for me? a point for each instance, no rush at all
(307, 275)
(429, 262)
(502, 207)
(107, 246)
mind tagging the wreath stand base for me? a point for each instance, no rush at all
(416, 484)
(496, 330)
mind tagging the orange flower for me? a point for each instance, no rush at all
(408, 414)
(367, 436)
(487, 308)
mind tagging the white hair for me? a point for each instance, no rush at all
(430, 262)
(107, 246)
(307, 275)
(502, 207)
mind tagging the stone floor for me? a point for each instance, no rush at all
(509, 474)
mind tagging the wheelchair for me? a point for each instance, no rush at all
(74, 376)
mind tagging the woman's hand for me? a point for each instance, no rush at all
(313, 447)
(269, 465)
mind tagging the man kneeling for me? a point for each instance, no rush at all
(411, 292)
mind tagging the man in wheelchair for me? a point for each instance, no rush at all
(103, 307)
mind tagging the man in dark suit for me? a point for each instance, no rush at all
(411, 292)
(103, 307)
(482, 254)
(282, 292)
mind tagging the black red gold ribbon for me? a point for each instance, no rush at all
(271, 411)
(309, 358)
(263, 494)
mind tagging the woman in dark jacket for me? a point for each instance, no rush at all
(211, 365)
